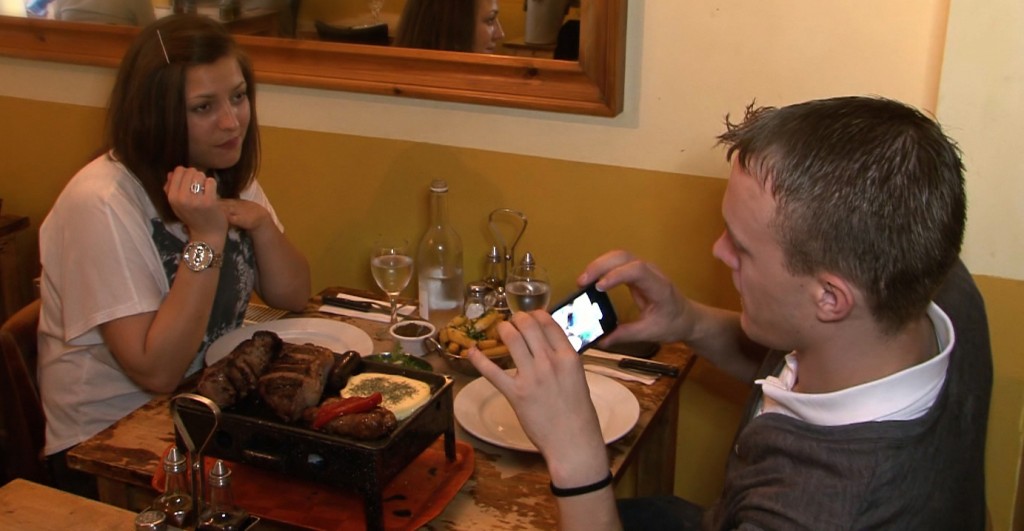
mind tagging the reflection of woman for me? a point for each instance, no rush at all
(124, 12)
(152, 250)
(455, 25)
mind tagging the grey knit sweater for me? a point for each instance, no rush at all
(926, 473)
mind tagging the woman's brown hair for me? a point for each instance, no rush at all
(147, 130)
(438, 25)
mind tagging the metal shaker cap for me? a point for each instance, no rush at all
(528, 261)
(175, 461)
(151, 521)
(478, 288)
(220, 474)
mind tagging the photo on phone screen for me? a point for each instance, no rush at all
(585, 317)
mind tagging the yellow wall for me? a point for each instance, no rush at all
(335, 192)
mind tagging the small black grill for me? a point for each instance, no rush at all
(250, 433)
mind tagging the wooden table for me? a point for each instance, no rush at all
(508, 490)
(27, 505)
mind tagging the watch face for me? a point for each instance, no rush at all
(198, 256)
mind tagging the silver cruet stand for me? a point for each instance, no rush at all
(506, 226)
(196, 452)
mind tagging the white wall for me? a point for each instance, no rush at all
(688, 63)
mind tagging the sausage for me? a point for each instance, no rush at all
(345, 365)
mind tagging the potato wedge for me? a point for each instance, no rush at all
(500, 350)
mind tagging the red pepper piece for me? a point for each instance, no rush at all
(346, 406)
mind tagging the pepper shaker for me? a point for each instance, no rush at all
(221, 513)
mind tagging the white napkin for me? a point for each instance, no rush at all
(371, 315)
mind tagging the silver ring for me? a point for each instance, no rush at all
(197, 188)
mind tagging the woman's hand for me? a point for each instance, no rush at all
(199, 212)
(246, 215)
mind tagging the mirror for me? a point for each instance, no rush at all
(593, 85)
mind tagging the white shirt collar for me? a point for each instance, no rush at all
(905, 395)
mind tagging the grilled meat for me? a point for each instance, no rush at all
(296, 379)
(373, 424)
(233, 378)
(345, 365)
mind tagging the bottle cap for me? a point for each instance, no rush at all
(528, 260)
(151, 520)
(494, 255)
(438, 185)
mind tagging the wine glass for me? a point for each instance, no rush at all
(527, 288)
(391, 266)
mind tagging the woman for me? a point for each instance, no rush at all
(454, 25)
(152, 250)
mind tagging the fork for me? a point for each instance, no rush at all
(261, 313)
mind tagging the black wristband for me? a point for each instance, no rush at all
(576, 491)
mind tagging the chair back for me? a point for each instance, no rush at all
(22, 423)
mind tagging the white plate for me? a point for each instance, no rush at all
(483, 411)
(335, 335)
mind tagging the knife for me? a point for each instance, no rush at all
(655, 367)
(359, 306)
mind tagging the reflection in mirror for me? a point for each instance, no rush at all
(453, 25)
(477, 26)
(124, 12)
(517, 75)
(536, 28)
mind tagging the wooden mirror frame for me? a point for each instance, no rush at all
(593, 86)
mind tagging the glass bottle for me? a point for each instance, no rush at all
(439, 262)
(494, 274)
(221, 513)
(176, 500)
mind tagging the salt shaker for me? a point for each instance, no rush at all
(221, 513)
(476, 299)
(176, 500)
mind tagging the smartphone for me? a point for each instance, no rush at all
(585, 316)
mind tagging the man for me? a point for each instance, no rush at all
(843, 219)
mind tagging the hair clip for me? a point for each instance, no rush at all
(162, 47)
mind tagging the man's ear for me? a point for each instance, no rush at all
(834, 298)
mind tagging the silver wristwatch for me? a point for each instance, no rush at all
(199, 256)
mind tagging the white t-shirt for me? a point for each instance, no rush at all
(100, 263)
(906, 395)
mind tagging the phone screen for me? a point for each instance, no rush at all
(585, 317)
